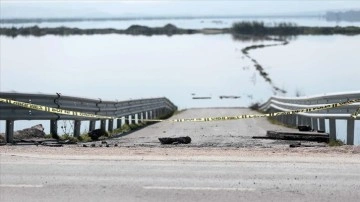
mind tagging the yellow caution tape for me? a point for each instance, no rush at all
(52, 110)
(246, 116)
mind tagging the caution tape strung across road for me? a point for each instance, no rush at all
(224, 118)
(53, 110)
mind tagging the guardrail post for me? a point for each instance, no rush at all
(146, 115)
(103, 124)
(111, 125)
(9, 134)
(136, 118)
(300, 120)
(123, 120)
(332, 127)
(54, 127)
(296, 120)
(92, 125)
(141, 117)
(130, 119)
(315, 124)
(322, 124)
(77, 124)
(151, 114)
(350, 131)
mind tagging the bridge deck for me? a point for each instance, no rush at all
(234, 133)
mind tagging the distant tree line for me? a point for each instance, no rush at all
(288, 29)
(168, 29)
(254, 29)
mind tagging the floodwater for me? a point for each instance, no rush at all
(122, 67)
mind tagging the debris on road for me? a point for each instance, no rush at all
(307, 136)
(97, 133)
(306, 128)
(176, 140)
(298, 144)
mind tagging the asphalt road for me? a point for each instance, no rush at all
(26, 178)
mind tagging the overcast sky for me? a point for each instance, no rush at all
(118, 8)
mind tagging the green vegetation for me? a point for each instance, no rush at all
(48, 136)
(336, 143)
(84, 138)
(69, 137)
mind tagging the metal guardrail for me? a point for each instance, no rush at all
(127, 111)
(316, 119)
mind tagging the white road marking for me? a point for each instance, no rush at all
(22, 185)
(199, 188)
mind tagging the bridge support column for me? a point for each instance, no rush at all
(103, 124)
(9, 133)
(92, 125)
(332, 127)
(77, 124)
(54, 127)
(322, 124)
(111, 125)
(350, 131)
